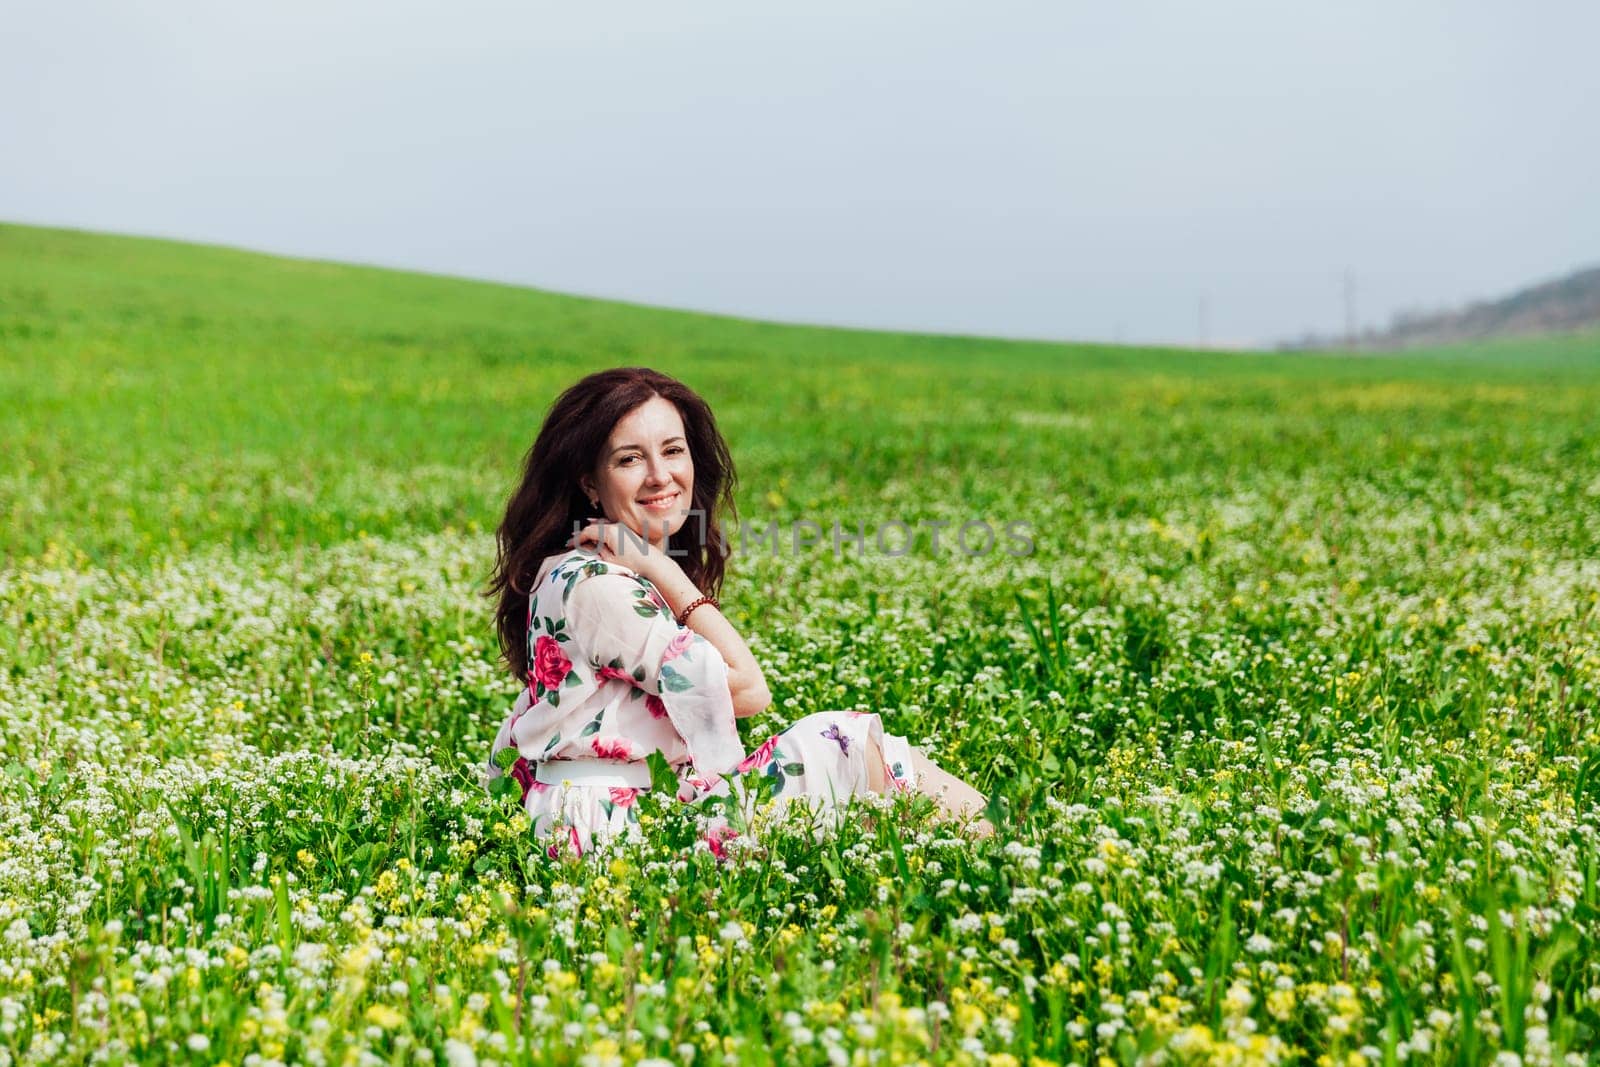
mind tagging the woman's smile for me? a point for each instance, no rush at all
(663, 502)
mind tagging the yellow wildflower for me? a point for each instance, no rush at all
(384, 1016)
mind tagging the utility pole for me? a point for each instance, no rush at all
(1349, 309)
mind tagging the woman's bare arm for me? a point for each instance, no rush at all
(746, 682)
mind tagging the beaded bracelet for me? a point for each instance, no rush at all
(683, 616)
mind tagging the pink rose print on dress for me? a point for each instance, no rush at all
(759, 756)
(554, 851)
(551, 665)
(606, 674)
(715, 839)
(690, 785)
(679, 644)
(612, 748)
(522, 771)
(653, 704)
(623, 797)
(523, 774)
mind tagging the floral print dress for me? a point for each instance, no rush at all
(613, 677)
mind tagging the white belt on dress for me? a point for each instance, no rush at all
(618, 774)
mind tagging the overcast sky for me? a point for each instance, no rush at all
(1134, 170)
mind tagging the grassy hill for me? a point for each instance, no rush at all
(1290, 715)
(303, 401)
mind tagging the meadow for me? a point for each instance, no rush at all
(1289, 716)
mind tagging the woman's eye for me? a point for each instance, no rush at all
(673, 451)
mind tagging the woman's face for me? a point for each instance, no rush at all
(645, 475)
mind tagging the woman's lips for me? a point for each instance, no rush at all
(660, 503)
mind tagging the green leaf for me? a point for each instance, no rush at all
(280, 897)
(506, 757)
(899, 855)
(996, 810)
(503, 788)
(572, 680)
(645, 610)
(831, 865)
(794, 770)
(674, 682)
(593, 726)
(662, 780)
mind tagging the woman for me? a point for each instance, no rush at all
(609, 561)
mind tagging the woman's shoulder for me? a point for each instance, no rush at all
(563, 572)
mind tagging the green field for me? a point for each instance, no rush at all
(1291, 712)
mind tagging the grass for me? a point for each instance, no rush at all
(1291, 711)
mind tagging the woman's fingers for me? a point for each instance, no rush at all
(598, 536)
(612, 541)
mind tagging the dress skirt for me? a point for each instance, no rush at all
(820, 760)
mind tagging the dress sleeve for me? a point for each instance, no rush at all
(626, 630)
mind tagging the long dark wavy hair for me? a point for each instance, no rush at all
(540, 514)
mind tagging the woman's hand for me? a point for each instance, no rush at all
(747, 685)
(615, 543)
